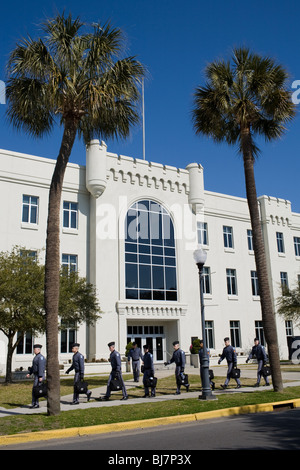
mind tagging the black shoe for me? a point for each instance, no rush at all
(145, 396)
(213, 385)
(152, 396)
(34, 406)
(238, 386)
(124, 398)
(187, 387)
(177, 393)
(267, 385)
(256, 385)
(223, 386)
(104, 398)
(76, 402)
(89, 393)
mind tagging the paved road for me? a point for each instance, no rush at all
(277, 430)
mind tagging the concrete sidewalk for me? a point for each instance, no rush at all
(66, 401)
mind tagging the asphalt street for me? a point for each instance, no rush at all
(278, 430)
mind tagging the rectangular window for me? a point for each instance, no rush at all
(284, 282)
(202, 233)
(69, 263)
(235, 336)
(67, 337)
(70, 215)
(30, 209)
(297, 245)
(228, 236)
(259, 332)
(209, 331)
(206, 280)
(231, 282)
(280, 242)
(289, 328)
(25, 345)
(250, 239)
(254, 283)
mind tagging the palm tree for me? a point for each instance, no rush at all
(242, 99)
(77, 74)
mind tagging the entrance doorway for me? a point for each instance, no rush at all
(152, 335)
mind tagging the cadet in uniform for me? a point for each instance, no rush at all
(115, 362)
(135, 354)
(179, 359)
(38, 371)
(230, 355)
(259, 352)
(201, 351)
(78, 365)
(148, 371)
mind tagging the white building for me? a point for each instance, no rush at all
(131, 226)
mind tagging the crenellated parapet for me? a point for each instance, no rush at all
(138, 172)
(103, 167)
(275, 211)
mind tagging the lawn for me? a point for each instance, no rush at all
(19, 394)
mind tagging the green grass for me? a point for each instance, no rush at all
(20, 394)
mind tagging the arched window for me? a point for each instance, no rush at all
(150, 257)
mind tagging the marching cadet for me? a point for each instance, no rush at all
(230, 355)
(116, 370)
(135, 354)
(78, 365)
(259, 352)
(38, 371)
(201, 351)
(148, 371)
(179, 359)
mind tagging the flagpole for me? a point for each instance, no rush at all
(143, 100)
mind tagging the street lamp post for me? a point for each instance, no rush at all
(200, 258)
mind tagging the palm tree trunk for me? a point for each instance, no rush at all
(52, 267)
(268, 316)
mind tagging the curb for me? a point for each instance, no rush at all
(145, 423)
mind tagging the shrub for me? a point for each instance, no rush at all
(195, 346)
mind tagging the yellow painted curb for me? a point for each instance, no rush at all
(143, 423)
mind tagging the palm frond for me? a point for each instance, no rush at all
(70, 74)
(250, 92)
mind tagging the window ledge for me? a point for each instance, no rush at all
(233, 297)
(28, 226)
(72, 231)
(229, 250)
(207, 296)
(255, 297)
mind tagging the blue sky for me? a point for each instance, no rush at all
(176, 40)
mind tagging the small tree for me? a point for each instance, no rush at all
(289, 304)
(78, 301)
(21, 299)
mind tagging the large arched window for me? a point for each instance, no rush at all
(150, 258)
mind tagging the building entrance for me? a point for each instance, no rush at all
(153, 336)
